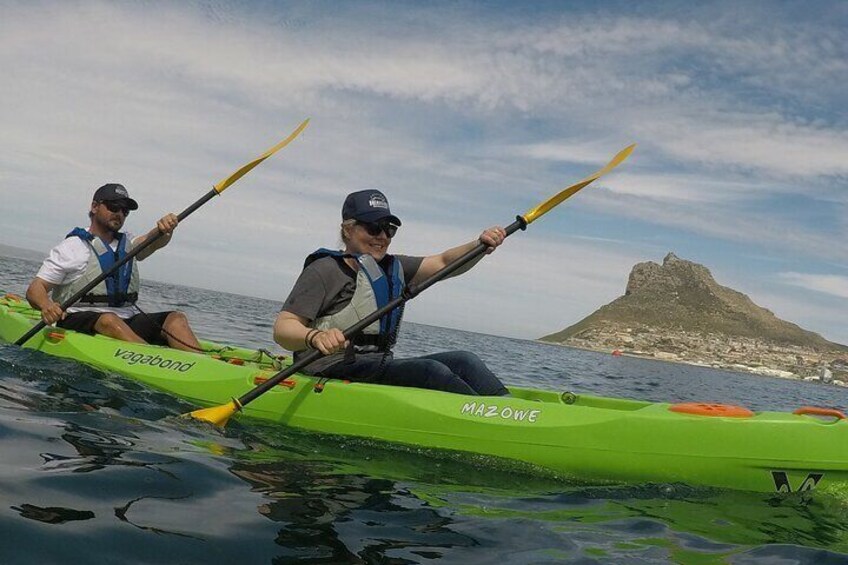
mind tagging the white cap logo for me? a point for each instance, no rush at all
(378, 201)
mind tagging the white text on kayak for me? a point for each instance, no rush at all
(494, 411)
(133, 358)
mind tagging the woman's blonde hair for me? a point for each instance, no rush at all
(342, 234)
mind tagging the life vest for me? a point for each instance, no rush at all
(118, 289)
(374, 289)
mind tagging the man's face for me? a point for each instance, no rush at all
(110, 214)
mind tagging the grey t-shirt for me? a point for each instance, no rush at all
(325, 287)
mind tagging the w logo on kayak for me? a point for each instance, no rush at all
(781, 482)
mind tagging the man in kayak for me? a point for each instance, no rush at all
(338, 288)
(109, 308)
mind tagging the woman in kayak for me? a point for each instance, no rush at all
(338, 288)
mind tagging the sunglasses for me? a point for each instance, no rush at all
(375, 229)
(115, 207)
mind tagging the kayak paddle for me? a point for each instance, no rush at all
(216, 190)
(220, 415)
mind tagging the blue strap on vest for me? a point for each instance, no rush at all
(324, 252)
(118, 283)
(385, 287)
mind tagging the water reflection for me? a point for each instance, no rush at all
(337, 504)
(52, 514)
(122, 511)
(322, 513)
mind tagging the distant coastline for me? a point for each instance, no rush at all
(747, 355)
(21, 253)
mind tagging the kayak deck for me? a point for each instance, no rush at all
(587, 437)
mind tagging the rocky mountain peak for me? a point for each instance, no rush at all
(674, 273)
(683, 296)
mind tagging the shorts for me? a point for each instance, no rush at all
(147, 326)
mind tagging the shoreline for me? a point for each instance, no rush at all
(762, 370)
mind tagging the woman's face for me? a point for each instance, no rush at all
(372, 239)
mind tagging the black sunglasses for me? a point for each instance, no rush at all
(115, 207)
(374, 229)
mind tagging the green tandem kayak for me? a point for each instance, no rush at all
(585, 437)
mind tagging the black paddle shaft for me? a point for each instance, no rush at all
(409, 293)
(135, 251)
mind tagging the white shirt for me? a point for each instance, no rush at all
(67, 262)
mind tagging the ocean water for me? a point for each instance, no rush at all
(95, 468)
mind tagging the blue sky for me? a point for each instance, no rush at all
(465, 114)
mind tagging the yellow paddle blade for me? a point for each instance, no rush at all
(549, 204)
(222, 186)
(218, 415)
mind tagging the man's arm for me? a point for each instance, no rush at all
(38, 296)
(432, 264)
(165, 226)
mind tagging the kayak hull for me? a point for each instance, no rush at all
(585, 437)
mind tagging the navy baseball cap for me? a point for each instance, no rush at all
(369, 205)
(114, 191)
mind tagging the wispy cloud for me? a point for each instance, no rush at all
(834, 285)
(770, 144)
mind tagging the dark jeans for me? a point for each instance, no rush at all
(461, 372)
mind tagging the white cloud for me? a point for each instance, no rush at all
(567, 151)
(719, 218)
(768, 143)
(834, 285)
(688, 188)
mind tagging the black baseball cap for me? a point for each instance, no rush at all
(114, 191)
(369, 205)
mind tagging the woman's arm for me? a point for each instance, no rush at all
(432, 264)
(292, 331)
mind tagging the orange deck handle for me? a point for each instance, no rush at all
(56, 335)
(13, 297)
(816, 411)
(288, 383)
(704, 409)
